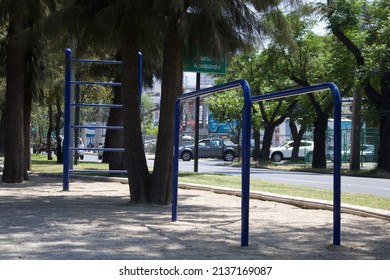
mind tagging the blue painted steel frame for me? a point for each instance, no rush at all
(67, 112)
(337, 143)
(248, 100)
(65, 145)
(245, 175)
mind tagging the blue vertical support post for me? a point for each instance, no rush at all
(337, 165)
(245, 166)
(65, 146)
(175, 169)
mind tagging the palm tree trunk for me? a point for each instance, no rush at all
(171, 88)
(15, 170)
(135, 160)
(114, 138)
(27, 122)
(2, 132)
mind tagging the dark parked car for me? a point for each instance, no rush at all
(210, 148)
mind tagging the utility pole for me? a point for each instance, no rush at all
(196, 144)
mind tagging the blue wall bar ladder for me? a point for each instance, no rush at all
(67, 149)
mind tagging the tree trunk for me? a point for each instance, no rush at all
(297, 136)
(381, 99)
(267, 140)
(256, 150)
(319, 151)
(270, 124)
(15, 170)
(59, 154)
(135, 160)
(171, 88)
(2, 132)
(384, 140)
(27, 128)
(114, 138)
(49, 131)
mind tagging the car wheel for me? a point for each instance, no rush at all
(277, 157)
(82, 157)
(186, 155)
(228, 156)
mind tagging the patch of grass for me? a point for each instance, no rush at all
(284, 189)
(40, 164)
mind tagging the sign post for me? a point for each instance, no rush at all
(202, 64)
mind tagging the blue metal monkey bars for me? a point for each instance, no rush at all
(245, 175)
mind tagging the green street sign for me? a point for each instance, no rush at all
(204, 64)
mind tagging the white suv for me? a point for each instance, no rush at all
(284, 151)
(79, 153)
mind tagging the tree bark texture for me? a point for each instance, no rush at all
(161, 182)
(115, 137)
(15, 170)
(135, 160)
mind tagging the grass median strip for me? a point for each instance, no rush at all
(40, 164)
(223, 180)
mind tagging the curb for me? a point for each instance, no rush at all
(301, 202)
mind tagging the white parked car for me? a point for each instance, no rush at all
(284, 151)
(79, 153)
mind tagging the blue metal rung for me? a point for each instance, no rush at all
(96, 127)
(96, 105)
(97, 149)
(96, 171)
(112, 84)
(97, 61)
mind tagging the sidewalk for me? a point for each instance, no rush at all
(95, 221)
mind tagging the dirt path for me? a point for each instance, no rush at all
(94, 221)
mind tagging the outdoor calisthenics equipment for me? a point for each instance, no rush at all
(245, 175)
(336, 141)
(69, 104)
(246, 122)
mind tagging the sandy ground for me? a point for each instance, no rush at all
(95, 221)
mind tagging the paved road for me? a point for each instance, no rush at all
(374, 186)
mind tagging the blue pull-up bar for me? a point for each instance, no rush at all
(246, 125)
(245, 175)
(336, 145)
